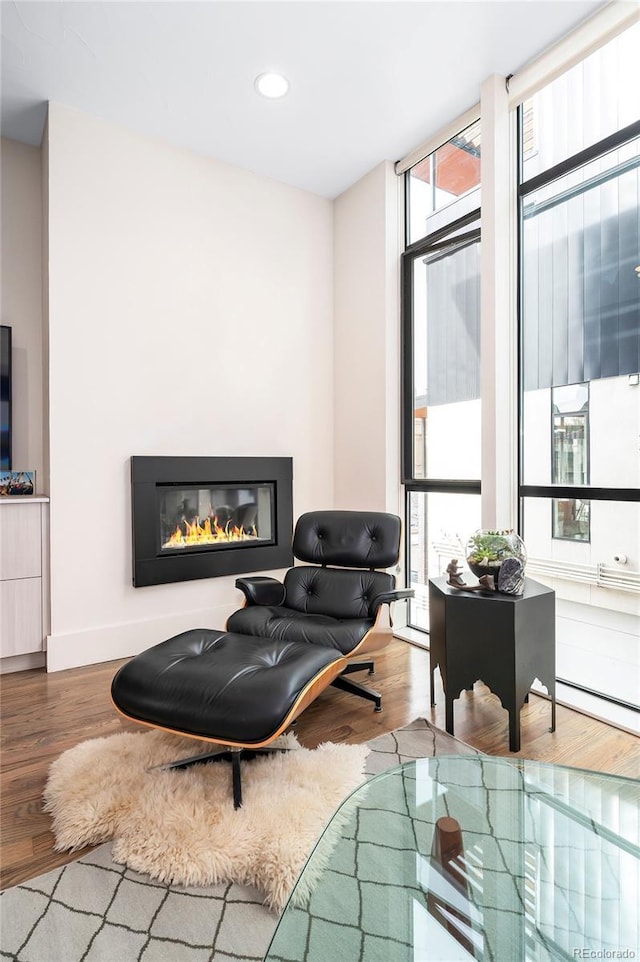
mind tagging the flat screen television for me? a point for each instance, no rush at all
(5, 397)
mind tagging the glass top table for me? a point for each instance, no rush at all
(472, 857)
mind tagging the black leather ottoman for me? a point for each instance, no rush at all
(238, 691)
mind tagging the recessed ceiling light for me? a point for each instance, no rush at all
(271, 85)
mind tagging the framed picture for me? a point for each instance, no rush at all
(5, 397)
(18, 483)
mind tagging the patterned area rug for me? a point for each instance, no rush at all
(95, 910)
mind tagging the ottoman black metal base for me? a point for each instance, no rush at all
(237, 691)
(233, 755)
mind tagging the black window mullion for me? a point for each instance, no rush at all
(445, 247)
(444, 486)
(580, 159)
(426, 243)
(407, 363)
(585, 492)
(445, 240)
(520, 321)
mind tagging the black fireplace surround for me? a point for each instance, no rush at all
(205, 517)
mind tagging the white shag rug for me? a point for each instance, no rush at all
(181, 826)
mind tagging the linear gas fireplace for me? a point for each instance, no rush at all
(205, 517)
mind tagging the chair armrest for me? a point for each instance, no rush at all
(261, 591)
(388, 597)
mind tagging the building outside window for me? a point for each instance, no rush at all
(579, 204)
(570, 459)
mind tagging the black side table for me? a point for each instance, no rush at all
(507, 641)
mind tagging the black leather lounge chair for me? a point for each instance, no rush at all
(342, 601)
(241, 688)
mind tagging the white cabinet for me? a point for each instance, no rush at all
(23, 576)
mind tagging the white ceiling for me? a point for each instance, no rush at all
(369, 80)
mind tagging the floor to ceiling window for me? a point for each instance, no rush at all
(579, 212)
(578, 330)
(441, 329)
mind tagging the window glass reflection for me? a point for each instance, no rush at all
(446, 184)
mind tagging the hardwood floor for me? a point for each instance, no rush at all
(43, 715)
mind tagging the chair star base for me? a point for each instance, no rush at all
(233, 755)
(354, 688)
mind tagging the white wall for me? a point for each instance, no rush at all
(190, 313)
(614, 425)
(366, 343)
(21, 298)
(453, 439)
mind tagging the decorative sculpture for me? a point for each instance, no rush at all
(485, 583)
(455, 578)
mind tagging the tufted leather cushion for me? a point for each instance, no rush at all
(338, 592)
(353, 539)
(217, 684)
(274, 621)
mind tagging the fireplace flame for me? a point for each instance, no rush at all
(209, 532)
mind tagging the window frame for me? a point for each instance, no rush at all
(556, 492)
(585, 492)
(561, 537)
(584, 417)
(503, 491)
(430, 244)
(437, 241)
(583, 413)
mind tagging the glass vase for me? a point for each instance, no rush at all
(487, 550)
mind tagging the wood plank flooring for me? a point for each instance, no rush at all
(44, 714)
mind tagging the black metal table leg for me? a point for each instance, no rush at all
(237, 783)
(514, 727)
(448, 714)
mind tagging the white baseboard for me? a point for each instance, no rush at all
(34, 659)
(413, 635)
(95, 645)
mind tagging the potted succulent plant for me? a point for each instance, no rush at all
(487, 550)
